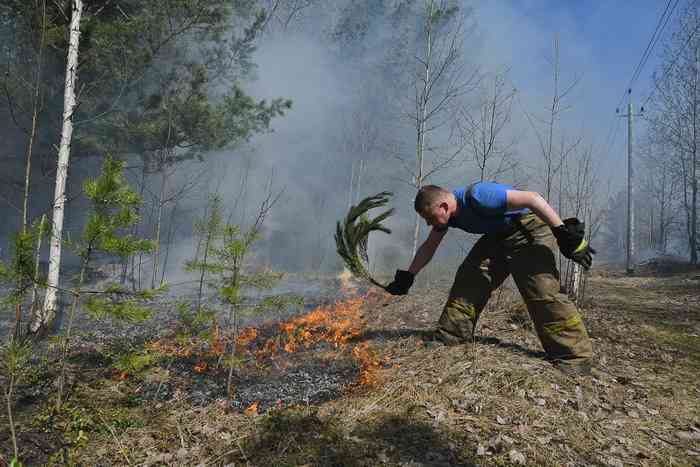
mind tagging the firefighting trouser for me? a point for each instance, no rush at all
(527, 252)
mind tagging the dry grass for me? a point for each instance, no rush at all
(493, 402)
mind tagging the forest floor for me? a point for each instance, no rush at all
(364, 390)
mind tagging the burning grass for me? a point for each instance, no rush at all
(307, 358)
(493, 402)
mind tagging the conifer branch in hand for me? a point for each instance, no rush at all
(351, 235)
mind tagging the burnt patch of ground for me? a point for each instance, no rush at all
(494, 401)
(304, 378)
(37, 446)
(115, 380)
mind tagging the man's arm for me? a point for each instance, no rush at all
(570, 234)
(404, 279)
(426, 251)
(536, 203)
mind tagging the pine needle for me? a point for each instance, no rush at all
(351, 235)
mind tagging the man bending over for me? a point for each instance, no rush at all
(519, 232)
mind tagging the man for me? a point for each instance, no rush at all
(519, 231)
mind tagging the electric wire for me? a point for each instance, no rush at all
(610, 140)
(652, 42)
(661, 24)
(658, 30)
(675, 59)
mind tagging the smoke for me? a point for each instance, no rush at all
(341, 65)
(348, 107)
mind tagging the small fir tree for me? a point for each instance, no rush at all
(235, 277)
(22, 272)
(113, 211)
(210, 231)
(222, 264)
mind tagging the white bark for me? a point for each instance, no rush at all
(576, 282)
(421, 114)
(33, 303)
(69, 103)
(440, 80)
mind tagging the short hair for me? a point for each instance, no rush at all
(427, 196)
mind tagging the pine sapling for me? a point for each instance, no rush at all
(112, 212)
(235, 277)
(210, 230)
(15, 359)
(20, 273)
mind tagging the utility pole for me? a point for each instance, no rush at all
(630, 184)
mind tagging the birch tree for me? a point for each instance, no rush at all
(484, 128)
(69, 103)
(661, 189)
(132, 105)
(554, 147)
(438, 78)
(675, 115)
(580, 187)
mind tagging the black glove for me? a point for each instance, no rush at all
(403, 280)
(572, 242)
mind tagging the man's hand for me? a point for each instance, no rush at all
(572, 243)
(403, 280)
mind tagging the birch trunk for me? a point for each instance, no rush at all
(693, 166)
(159, 223)
(576, 282)
(134, 273)
(169, 241)
(422, 115)
(35, 282)
(49, 309)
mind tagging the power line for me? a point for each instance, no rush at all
(658, 30)
(610, 139)
(675, 59)
(652, 42)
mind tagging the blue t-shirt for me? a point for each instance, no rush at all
(483, 208)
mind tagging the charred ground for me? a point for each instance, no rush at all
(380, 397)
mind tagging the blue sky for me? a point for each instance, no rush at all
(600, 41)
(617, 32)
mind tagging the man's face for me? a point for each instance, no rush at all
(437, 216)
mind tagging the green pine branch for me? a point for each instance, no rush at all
(352, 235)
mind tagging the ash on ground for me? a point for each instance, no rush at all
(311, 375)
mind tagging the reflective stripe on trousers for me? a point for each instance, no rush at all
(528, 254)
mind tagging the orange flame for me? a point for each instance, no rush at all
(246, 336)
(252, 408)
(369, 364)
(172, 347)
(270, 348)
(218, 346)
(336, 324)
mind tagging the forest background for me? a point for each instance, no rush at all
(316, 106)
